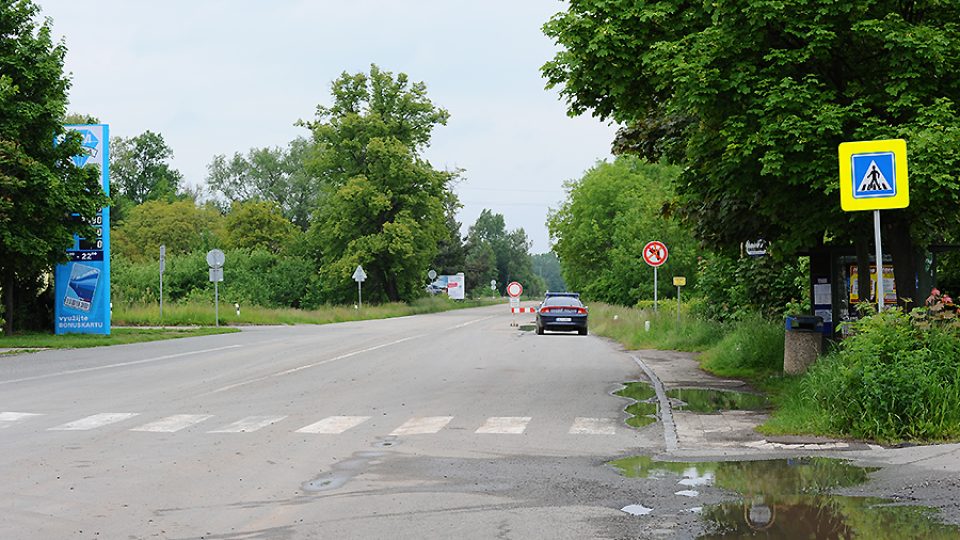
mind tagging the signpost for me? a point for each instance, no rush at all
(679, 281)
(215, 259)
(163, 266)
(82, 284)
(360, 276)
(655, 254)
(873, 176)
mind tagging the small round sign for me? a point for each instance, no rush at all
(432, 274)
(655, 253)
(215, 258)
(514, 289)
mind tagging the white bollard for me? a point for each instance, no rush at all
(646, 326)
(236, 305)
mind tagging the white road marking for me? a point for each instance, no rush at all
(334, 425)
(95, 421)
(121, 364)
(468, 323)
(593, 426)
(8, 419)
(422, 425)
(315, 364)
(504, 424)
(249, 424)
(173, 424)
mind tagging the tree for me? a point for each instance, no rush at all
(451, 254)
(383, 205)
(258, 225)
(39, 184)
(182, 226)
(511, 255)
(139, 170)
(762, 93)
(600, 231)
(547, 266)
(270, 174)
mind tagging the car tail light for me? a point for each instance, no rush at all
(544, 310)
(582, 310)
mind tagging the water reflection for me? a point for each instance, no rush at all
(791, 499)
(713, 401)
(644, 409)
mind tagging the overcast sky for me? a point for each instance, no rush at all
(218, 77)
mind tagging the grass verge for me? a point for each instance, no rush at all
(204, 314)
(118, 336)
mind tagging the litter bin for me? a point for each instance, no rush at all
(802, 343)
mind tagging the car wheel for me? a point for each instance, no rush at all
(583, 331)
(539, 330)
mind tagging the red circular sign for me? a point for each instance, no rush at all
(514, 289)
(655, 253)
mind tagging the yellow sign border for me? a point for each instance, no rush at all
(900, 200)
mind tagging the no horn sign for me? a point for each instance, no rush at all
(655, 253)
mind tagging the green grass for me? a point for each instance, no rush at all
(204, 314)
(627, 325)
(118, 336)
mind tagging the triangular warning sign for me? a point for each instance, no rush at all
(873, 180)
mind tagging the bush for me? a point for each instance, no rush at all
(751, 347)
(734, 288)
(892, 380)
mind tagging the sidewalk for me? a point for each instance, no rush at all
(709, 433)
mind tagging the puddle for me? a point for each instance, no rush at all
(792, 499)
(703, 400)
(343, 471)
(644, 411)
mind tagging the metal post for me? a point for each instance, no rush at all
(161, 298)
(678, 305)
(216, 303)
(654, 289)
(359, 295)
(879, 255)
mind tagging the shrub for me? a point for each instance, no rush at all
(892, 380)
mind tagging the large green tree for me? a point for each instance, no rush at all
(278, 175)
(383, 204)
(139, 169)
(39, 184)
(754, 97)
(258, 225)
(600, 231)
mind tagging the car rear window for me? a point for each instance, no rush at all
(562, 301)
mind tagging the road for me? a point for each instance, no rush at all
(444, 425)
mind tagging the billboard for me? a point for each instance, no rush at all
(82, 284)
(453, 285)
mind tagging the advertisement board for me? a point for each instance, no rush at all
(889, 288)
(82, 284)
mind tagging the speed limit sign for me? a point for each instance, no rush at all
(514, 289)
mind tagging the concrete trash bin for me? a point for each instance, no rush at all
(802, 343)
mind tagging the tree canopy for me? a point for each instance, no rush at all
(494, 253)
(139, 170)
(600, 231)
(278, 175)
(383, 205)
(754, 98)
(39, 184)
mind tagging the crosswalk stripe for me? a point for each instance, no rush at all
(334, 425)
(249, 424)
(93, 422)
(173, 424)
(422, 425)
(593, 426)
(505, 424)
(8, 419)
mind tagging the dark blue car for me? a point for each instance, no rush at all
(562, 312)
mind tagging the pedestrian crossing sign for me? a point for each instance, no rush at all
(873, 175)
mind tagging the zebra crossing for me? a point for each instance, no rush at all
(331, 425)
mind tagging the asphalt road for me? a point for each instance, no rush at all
(443, 425)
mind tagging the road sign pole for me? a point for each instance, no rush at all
(359, 295)
(678, 305)
(879, 255)
(654, 289)
(161, 299)
(216, 303)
